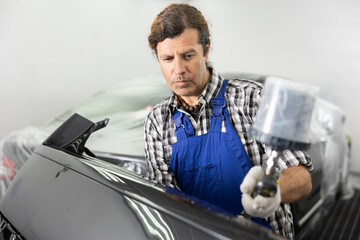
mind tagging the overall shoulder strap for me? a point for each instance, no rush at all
(219, 103)
(183, 127)
(223, 88)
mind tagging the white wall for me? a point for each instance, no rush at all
(53, 54)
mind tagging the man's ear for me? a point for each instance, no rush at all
(207, 49)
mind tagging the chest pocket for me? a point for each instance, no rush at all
(196, 163)
(202, 178)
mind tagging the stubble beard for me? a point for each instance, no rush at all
(185, 89)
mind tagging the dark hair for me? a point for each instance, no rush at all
(172, 22)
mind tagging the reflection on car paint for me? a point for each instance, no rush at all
(137, 165)
(151, 219)
(106, 173)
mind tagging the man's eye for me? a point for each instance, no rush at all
(168, 59)
(189, 56)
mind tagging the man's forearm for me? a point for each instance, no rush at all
(295, 183)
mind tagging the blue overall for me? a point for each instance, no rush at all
(211, 166)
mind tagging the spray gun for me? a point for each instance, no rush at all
(282, 122)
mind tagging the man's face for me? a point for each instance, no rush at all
(183, 64)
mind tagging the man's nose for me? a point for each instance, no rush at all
(179, 66)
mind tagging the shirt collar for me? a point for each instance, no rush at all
(212, 87)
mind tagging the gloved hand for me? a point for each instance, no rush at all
(259, 206)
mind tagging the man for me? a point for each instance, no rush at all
(197, 139)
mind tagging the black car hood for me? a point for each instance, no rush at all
(57, 194)
(64, 192)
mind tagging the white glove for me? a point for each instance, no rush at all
(259, 206)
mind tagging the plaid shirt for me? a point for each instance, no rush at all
(242, 101)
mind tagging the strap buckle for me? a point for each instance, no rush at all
(217, 102)
(179, 126)
(217, 105)
(177, 118)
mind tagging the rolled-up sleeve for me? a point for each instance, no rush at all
(295, 158)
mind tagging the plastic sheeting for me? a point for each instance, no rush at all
(15, 149)
(328, 124)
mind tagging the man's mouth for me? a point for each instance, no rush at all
(181, 83)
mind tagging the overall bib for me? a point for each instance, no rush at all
(211, 166)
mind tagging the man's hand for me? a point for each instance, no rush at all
(258, 206)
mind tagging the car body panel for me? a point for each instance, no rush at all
(57, 195)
